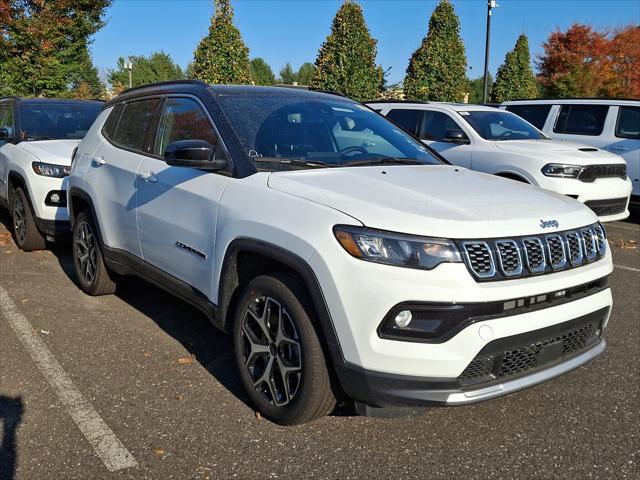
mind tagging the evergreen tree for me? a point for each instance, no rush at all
(85, 82)
(346, 62)
(437, 70)
(158, 67)
(305, 73)
(287, 75)
(476, 88)
(515, 78)
(222, 56)
(261, 73)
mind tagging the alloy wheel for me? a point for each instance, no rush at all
(19, 220)
(272, 352)
(86, 252)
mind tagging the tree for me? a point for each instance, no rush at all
(287, 75)
(346, 62)
(437, 69)
(261, 73)
(476, 88)
(625, 54)
(305, 73)
(158, 67)
(515, 78)
(222, 56)
(44, 46)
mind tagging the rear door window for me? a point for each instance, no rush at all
(581, 119)
(628, 123)
(135, 125)
(409, 120)
(536, 115)
(6, 120)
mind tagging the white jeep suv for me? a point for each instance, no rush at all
(493, 141)
(341, 254)
(37, 139)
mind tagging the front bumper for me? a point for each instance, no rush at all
(54, 229)
(515, 363)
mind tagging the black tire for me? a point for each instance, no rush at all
(25, 231)
(92, 274)
(299, 387)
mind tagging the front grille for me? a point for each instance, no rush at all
(603, 208)
(524, 353)
(591, 172)
(501, 259)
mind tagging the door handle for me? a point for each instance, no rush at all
(148, 177)
(98, 161)
(620, 149)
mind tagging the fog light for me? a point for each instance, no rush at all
(403, 318)
(55, 198)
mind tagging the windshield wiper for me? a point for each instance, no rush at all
(293, 161)
(385, 160)
(40, 137)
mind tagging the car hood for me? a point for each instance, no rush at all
(51, 151)
(438, 201)
(557, 150)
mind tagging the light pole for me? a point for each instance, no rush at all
(129, 66)
(491, 4)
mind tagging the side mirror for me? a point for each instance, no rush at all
(455, 136)
(5, 134)
(194, 154)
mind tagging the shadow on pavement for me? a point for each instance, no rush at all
(11, 410)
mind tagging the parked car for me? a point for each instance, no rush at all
(493, 141)
(37, 138)
(340, 253)
(612, 125)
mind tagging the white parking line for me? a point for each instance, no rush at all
(624, 267)
(113, 453)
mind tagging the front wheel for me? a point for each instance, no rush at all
(25, 231)
(279, 353)
(91, 272)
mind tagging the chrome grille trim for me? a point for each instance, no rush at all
(601, 238)
(534, 254)
(556, 251)
(574, 248)
(509, 257)
(480, 258)
(589, 243)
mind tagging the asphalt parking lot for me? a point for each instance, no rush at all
(155, 386)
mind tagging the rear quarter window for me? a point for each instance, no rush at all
(109, 128)
(536, 115)
(581, 119)
(628, 123)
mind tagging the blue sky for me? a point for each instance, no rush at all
(292, 30)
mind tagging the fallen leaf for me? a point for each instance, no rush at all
(185, 360)
(24, 300)
(146, 354)
(159, 451)
(258, 416)
(44, 332)
(5, 238)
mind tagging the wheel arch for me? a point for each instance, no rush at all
(77, 201)
(518, 177)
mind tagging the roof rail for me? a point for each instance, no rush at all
(389, 100)
(606, 99)
(168, 82)
(6, 97)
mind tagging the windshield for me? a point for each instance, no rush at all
(500, 125)
(53, 121)
(286, 132)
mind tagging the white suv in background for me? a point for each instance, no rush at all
(613, 125)
(37, 139)
(493, 141)
(339, 252)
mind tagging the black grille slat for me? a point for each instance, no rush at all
(591, 172)
(509, 257)
(604, 208)
(534, 253)
(480, 258)
(557, 256)
(574, 247)
(601, 239)
(589, 243)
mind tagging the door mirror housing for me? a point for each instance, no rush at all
(456, 136)
(194, 154)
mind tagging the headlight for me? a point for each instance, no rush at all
(559, 170)
(50, 170)
(396, 248)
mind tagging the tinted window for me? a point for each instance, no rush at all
(536, 115)
(501, 125)
(183, 119)
(135, 123)
(436, 124)
(628, 124)
(407, 119)
(61, 120)
(581, 119)
(6, 119)
(288, 131)
(109, 128)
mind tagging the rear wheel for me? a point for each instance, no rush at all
(25, 231)
(279, 352)
(91, 272)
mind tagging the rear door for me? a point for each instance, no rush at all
(582, 123)
(626, 141)
(113, 167)
(177, 207)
